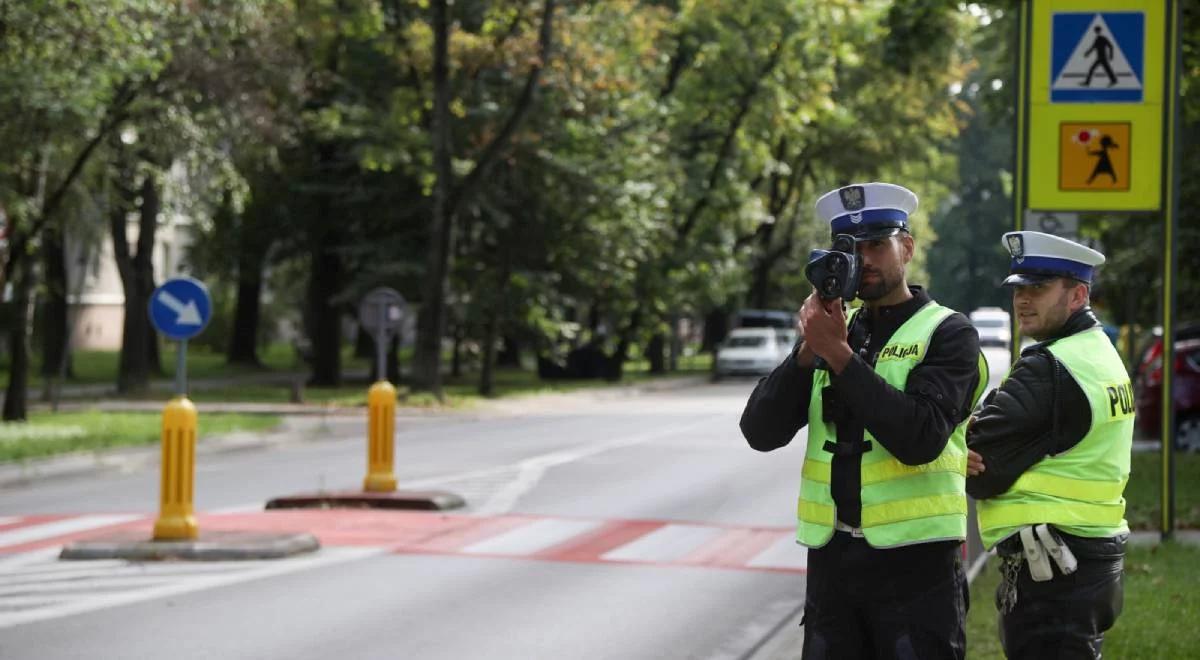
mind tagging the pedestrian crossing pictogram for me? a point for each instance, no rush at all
(1097, 57)
(1094, 156)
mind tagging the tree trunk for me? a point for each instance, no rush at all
(16, 396)
(431, 323)
(616, 363)
(364, 346)
(655, 353)
(393, 358)
(716, 327)
(243, 341)
(323, 284)
(761, 284)
(486, 384)
(139, 350)
(54, 309)
(153, 351)
(456, 352)
(510, 352)
(676, 346)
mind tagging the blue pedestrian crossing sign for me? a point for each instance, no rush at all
(180, 308)
(1097, 57)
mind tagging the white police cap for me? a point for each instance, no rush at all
(1037, 257)
(867, 211)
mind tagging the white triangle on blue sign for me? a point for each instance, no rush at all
(1097, 62)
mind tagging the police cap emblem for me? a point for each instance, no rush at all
(1016, 246)
(853, 198)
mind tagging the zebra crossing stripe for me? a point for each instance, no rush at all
(784, 554)
(664, 544)
(103, 591)
(531, 538)
(48, 530)
(546, 538)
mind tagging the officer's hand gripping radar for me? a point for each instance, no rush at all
(835, 273)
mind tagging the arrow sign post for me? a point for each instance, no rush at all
(179, 310)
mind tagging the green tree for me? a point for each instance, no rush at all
(69, 75)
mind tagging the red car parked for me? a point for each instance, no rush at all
(1185, 389)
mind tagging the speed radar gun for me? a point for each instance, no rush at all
(834, 273)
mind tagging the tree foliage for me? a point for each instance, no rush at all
(555, 177)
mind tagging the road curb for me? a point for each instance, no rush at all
(127, 459)
(211, 546)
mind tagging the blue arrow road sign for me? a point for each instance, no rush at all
(180, 308)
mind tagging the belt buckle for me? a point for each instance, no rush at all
(856, 532)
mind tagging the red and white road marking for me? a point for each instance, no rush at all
(35, 585)
(514, 536)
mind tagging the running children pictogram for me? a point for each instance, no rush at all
(1094, 156)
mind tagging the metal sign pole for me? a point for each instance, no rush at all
(1170, 231)
(380, 348)
(1020, 150)
(181, 369)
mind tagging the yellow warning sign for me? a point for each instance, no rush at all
(1094, 156)
(1094, 64)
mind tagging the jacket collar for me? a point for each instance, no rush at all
(1084, 319)
(902, 310)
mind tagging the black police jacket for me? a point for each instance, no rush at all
(914, 424)
(1038, 411)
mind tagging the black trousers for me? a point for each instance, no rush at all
(906, 603)
(1065, 618)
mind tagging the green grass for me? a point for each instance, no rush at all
(46, 434)
(1143, 494)
(983, 641)
(100, 367)
(1162, 600)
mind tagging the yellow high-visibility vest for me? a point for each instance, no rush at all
(901, 504)
(1080, 491)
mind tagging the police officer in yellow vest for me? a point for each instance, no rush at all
(882, 504)
(1049, 458)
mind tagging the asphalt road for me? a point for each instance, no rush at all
(638, 527)
(629, 527)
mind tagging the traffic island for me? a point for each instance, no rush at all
(208, 546)
(412, 500)
(379, 486)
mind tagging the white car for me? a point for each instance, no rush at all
(753, 351)
(994, 326)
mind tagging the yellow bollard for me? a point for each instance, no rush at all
(381, 438)
(176, 519)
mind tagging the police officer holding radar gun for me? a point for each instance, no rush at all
(885, 395)
(1049, 458)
